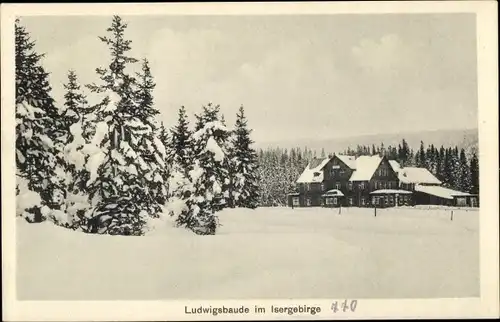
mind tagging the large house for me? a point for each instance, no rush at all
(370, 181)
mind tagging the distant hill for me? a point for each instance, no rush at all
(466, 138)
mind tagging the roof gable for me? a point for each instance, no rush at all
(395, 165)
(314, 171)
(348, 160)
(365, 167)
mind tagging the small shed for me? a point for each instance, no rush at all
(332, 198)
(390, 197)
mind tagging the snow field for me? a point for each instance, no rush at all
(262, 253)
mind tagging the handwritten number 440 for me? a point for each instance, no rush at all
(344, 306)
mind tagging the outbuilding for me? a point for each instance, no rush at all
(438, 195)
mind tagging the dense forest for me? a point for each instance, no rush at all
(280, 168)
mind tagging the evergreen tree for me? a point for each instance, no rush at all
(122, 203)
(245, 188)
(420, 158)
(474, 174)
(151, 147)
(181, 142)
(456, 173)
(39, 130)
(207, 178)
(404, 154)
(210, 113)
(465, 175)
(441, 168)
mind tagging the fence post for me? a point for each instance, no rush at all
(375, 211)
(452, 215)
(340, 209)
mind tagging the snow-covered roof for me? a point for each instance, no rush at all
(395, 165)
(334, 192)
(441, 192)
(391, 191)
(349, 160)
(365, 167)
(294, 194)
(313, 172)
(417, 175)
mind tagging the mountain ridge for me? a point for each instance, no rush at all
(463, 138)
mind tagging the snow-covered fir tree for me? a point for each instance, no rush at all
(39, 129)
(244, 169)
(182, 147)
(474, 173)
(465, 175)
(211, 114)
(151, 148)
(122, 202)
(197, 196)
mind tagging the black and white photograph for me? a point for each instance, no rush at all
(200, 158)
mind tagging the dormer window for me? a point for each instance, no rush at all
(317, 174)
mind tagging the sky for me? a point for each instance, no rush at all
(298, 76)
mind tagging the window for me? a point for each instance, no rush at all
(308, 186)
(461, 202)
(337, 186)
(361, 185)
(308, 201)
(473, 202)
(335, 200)
(350, 200)
(350, 185)
(295, 201)
(362, 201)
(375, 200)
(323, 187)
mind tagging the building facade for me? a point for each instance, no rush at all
(371, 181)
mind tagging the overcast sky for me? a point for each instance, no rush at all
(316, 76)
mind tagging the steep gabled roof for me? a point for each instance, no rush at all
(417, 175)
(365, 167)
(349, 160)
(395, 165)
(314, 171)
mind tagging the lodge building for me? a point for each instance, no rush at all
(371, 181)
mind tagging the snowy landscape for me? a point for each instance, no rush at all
(272, 253)
(123, 194)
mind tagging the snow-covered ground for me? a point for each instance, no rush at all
(264, 253)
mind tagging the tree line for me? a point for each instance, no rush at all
(279, 168)
(112, 166)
